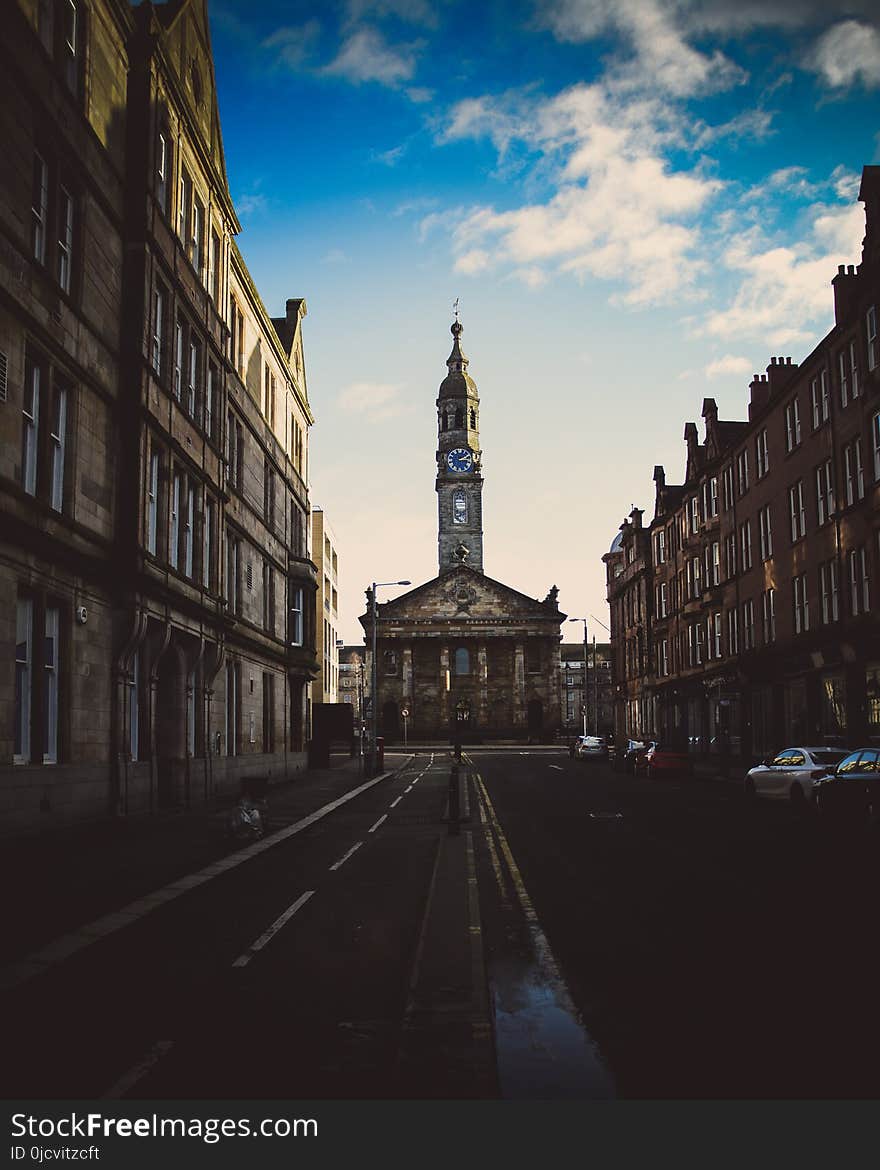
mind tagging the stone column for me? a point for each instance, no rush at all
(519, 685)
(483, 681)
(444, 694)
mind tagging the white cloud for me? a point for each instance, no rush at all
(247, 205)
(375, 401)
(847, 53)
(618, 212)
(366, 56)
(729, 364)
(785, 290)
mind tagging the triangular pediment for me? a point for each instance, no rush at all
(465, 594)
(186, 42)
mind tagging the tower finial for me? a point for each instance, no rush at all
(455, 308)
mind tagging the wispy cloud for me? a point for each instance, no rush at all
(373, 401)
(248, 205)
(784, 290)
(365, 56)
(727, 365)
(294, 45)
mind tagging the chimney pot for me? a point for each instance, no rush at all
(851, 269)
(841, 268)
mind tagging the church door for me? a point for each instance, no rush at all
(535, 717)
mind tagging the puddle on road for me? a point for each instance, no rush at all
(544, 1051)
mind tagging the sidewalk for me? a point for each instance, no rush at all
(58, 880)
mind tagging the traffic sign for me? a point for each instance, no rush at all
(404, 711)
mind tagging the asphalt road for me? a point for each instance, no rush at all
(711, 949)
(642, 939)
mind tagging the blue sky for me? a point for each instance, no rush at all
(639, 202)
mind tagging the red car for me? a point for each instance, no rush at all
(667, 761)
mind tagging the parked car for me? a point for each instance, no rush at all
(631, 758)
(852, 792)
(663, 760)
(591, 747)
(793, 774)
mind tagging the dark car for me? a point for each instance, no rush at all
(852, 792)
(631, 758)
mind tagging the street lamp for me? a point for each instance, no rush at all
(596, 668)
(584, 620)
(373, 713)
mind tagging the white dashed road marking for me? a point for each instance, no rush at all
(268, 935)
(378, 823)
(342, 860)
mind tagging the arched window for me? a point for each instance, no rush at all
(473, 418)
(459, 507)
(444, 421)
(389, 659)
(462, 661)
(459, 418)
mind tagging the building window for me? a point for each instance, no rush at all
(766, 533)
(53, 221)
(188, 526)
(819, 399)
(209, 527)
(197, 243)
(695, 515)
(748, 625)
(50, 686)
(660, 546)
(727, 488)
(30, 413)
(459, 507)
(730, 554)
(178, 359)
(174, 542)
(797, 511)
(210, 399)
(762, 454)
(875, 444)
(268, 598)
(296, 616)
(39, 208)
(269, 494)
(662, 609)
(732, 632)
(710, 497)
(713, 636)
(462, 661)
(163, 169)
(268, 712)
(234, 445)
(843, 374)
(871, 332)
(801, 604)
(824, 492)
(58, 444)
(828, 591)
(65, 238)
(768, 616)
(233, 704)
(792, 425)
(24, 638)
(134, 687)
(742, 472)
(184, 207)
(233, 564)
(854, 475)
(745, 545)
(192, 380)
(158, 322)
(854, 383)
(859, 583)
(153, 503)
(214, 266)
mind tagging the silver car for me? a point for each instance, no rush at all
(591, 747)
(792, 774)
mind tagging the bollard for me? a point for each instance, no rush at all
(454, 810)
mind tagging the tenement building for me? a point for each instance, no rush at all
(747, 615)
(464, 653)
(157, 591)
(325, 688)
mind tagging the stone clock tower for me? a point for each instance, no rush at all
(459, 479)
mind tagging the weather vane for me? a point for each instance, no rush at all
(455, 307)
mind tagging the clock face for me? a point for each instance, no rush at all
(460, 459)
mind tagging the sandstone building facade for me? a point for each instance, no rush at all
(158, 596)
(747, 613)
(463, 653)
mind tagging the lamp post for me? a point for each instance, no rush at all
(373, 674)
(596, 670)
(584, 620)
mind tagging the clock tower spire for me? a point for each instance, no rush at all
(459, 464)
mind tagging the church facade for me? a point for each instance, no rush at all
(463, 654)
